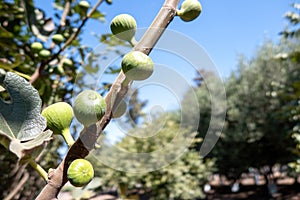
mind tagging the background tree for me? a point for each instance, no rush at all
(290, 93)
(183, 179)
(253, 127)
(261, 95)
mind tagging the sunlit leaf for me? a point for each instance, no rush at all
(98, 15)
(5, 34)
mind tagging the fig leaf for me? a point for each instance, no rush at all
(21, 117)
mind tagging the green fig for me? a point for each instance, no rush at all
(67, 62)
(109, 1)
(44, 53)
(189, 10)
(36, 46)
(58, 38)
(59, 117)
(80, 172)
(84, 4)
(59, 69)
(89, 107)
(123, 26)
(137, 65)
(66, 35)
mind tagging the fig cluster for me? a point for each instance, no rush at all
(89, 106)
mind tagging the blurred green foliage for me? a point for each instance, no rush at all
(25, 39)
(182, 179)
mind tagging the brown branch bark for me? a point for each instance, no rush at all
(85, 143)
(62, 22)
(75, 34)
(65, 14)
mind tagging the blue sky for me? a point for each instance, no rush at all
(225, 29)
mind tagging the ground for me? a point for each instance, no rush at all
(254, 192)
(286, 190)
(248, 190)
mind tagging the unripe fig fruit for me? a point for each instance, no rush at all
(123, 26)
(59, 117)
(89, 107)
(84, 4)
(120, 109)
(36, 46)
(59, 69)
(58, 38)
(66, 35)
(67, 62)
(80, 172)
(137, 65)
(44, 53)
(109, 1)
(189, 10)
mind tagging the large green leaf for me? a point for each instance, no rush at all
(20, 118)
(98, 15)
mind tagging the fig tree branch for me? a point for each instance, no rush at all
(85, 143)
(19, 186)
(62, 22)
(65, 14)
(75, 34)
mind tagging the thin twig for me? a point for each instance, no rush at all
(63, 19)
(75, 34)
(65, 14)
(16, 189)
(38, 168)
